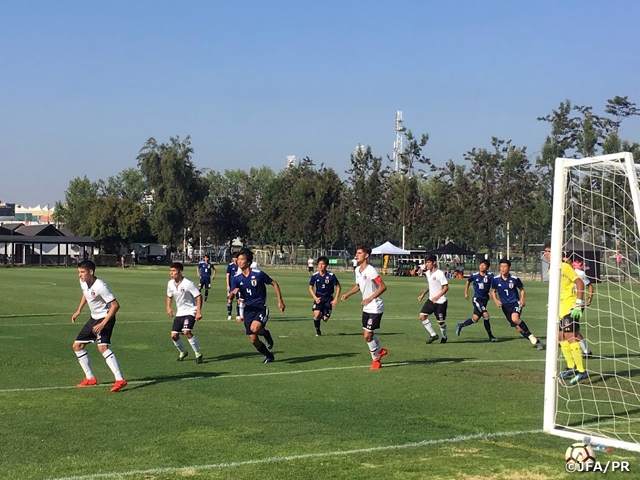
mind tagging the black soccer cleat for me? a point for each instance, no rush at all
(432, 339)
(200, 359)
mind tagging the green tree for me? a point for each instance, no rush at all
(79, 199)
(177, 185)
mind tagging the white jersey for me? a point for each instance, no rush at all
(437, 280)
(185, 295)
(98, 297)
(365, 280)
(583, 276)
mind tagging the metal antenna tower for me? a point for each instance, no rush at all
(397, 145)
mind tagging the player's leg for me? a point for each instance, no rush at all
(441, 315)
(187, 331)
(176, 330)
(317, 315)
(85, 337)
(524, 329)
(427, 309)
(229, 306)
(104, 344)
(253, 326)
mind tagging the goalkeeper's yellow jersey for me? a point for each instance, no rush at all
(567, 294)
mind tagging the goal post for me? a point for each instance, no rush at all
(596, 220)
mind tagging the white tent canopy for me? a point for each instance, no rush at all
(388, 248)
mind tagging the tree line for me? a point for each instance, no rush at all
(165, 197)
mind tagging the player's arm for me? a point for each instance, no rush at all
(228, 282)
(522, 300)
(198, 307)
(83, 302)
(356, 288)
(169, 309)
(589, 293)
(198, 270)
(276, 287)
(466, 290)
(313, 295)
(382, 287)
(421, 296)
(445, 289)
(495, 298)
(213, 272)
(334, 302)
(114, 306)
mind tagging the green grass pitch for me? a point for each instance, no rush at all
(468, 409)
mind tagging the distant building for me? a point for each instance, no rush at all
(7, 211)
(291, 161)
(38, 214)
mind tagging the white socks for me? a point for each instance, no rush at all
(194, 345)
(83, 358)
(427, 325)
(373, 349)
(178, 344)
(110, 358)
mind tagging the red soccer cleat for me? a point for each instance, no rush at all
(381, 353)
(87, 382)
(375, 365)
(118, 385)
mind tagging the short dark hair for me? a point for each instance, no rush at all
(323, 258)
(206, 255)
(176, 265)
(505, 260)
(547, 245)
(486, 262)
(248, 254)
(234, 255)
(431, 258)
(87, 265)
(365, 248)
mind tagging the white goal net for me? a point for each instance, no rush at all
(596, 220)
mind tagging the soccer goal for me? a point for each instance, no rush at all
(596, 219)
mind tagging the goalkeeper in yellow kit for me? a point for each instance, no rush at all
(570, 314)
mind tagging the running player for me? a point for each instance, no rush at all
(326, 284)
(189, 305)
(481, 281)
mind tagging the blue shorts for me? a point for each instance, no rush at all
(480, 306)
(510, 308)
(324, 306)
(205, 282)
(255, 314)
(182, 323)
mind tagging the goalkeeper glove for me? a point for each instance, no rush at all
(576, 310)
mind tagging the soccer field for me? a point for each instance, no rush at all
(468, 409)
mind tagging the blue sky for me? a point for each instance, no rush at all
(85, 83)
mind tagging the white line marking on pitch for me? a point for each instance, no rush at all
(304, 456)
(267, 374)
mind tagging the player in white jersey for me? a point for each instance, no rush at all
(103, 306)
(437, 287)
(371, 285)
(189, 304)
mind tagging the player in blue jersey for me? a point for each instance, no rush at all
(508, 293)
(232, 268)
(251, 285)
(326, 294)
(206, 273)
(481, 281)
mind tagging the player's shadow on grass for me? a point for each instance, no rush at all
(313, 358)
(233, 356)
(178, 377)
(359, 334)
(481, 340)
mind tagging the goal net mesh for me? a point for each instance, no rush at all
(600, 227)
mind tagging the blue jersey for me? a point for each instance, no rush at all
(232, 268)
(481, 284)
(324, 284)
(508, 289)
(252, 288)
(204, 269)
